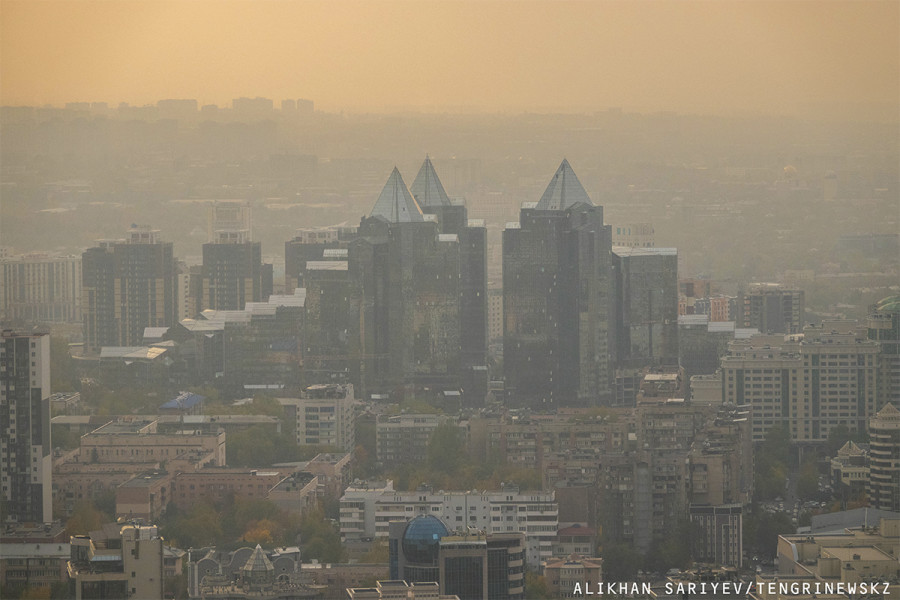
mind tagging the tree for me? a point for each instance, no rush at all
(62, 370)
(320, 539)
(808, 480)
(771, 459)
(536, 587)
(445, 449)
(377, 553)
(621, 562)
(260, 532)
(86, 518)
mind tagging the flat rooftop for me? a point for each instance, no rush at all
(124, 426)
(861, 553)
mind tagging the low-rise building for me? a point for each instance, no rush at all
(332, 472)
(144, 496)
(508, 510)
(296, 493)
(33, 566)
(852, 556)
(323, 415)
(137, 439)
(126, 564)
(850, 472)
(401, 439)
(565, 576)
(251, 573)
(192, 487)
(399, 590)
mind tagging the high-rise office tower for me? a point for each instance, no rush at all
(646, 306)
(330, 340)
(127, 285)
(558, 299)
(233, 272)
(408, 274)
(25, 459)
(883, 326)
(473, 309)
(313, 245)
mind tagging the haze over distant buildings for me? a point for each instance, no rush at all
(816, 58)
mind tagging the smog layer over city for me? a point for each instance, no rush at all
(470, 299)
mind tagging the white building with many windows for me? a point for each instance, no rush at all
(368, 513)
(809, 383)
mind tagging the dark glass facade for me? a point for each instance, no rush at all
(558, 301)
(127, 286)
(232, 275)
(646, 306)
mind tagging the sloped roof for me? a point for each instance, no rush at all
(889, 410)
(427, 188)
(564, 190)
(395, 203)
(184, 400)
(258, 561)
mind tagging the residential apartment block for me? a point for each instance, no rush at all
(25, 444)
(509, 510)
(127, 285)
(324, 415)
(810, 383)
(40, 288)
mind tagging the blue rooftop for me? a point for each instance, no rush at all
(184, 400)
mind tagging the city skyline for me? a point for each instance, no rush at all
(834, 59)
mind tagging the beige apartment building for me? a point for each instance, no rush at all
(810, 383)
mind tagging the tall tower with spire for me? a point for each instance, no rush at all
(557, 299)
(453, 219)
(408, 274)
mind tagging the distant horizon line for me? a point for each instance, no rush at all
(827, 111)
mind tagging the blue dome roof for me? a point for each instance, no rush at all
(421, 540)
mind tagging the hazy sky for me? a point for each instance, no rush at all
(726, 57)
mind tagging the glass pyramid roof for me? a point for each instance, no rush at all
(427, 188)
(564, 190)
(258, 561)
(395, 203)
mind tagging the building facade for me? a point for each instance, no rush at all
(771, 308)
(504, 511)
(884, 459)
(464, 564)
(40, 288)
(810, 384)
(558, 303)
(883, 326)
(127, 565)
(718, 534)
(324, 416)
(25, 448)
(127, 285)
(646, 306)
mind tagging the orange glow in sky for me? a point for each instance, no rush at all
(724, 57)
